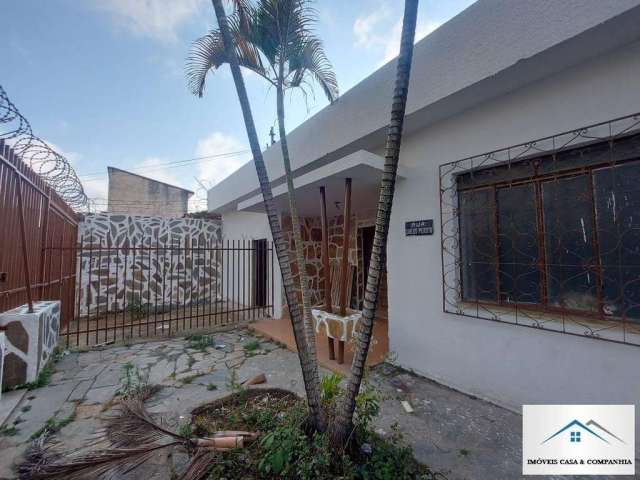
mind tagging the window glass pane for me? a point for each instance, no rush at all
(518, 245)
(478, 247)
(617, 196)
(569, 246)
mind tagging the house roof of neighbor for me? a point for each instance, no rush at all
(490, 49)
(119, 170)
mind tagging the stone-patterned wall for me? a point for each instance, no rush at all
(30, 340)
(312, 242)
(123, 277)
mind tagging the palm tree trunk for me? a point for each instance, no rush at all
(295, 223)
(343, 422)
(308, 365)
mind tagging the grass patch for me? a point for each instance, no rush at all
(200, 342)
(9, 431)
(252, 346)
(287, 450)
(53, 425)
(42, 380)
(211, 387)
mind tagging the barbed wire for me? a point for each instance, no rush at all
(53, 167)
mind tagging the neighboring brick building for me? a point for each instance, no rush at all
(133, 193)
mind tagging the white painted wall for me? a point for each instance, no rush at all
(254, 226)
(491, 47)
(506, 364)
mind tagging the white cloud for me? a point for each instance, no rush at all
(159, 19)
(212, 171)
(370, 32)
(365, 27)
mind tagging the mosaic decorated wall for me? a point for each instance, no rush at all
(312, 242)
(169, 269)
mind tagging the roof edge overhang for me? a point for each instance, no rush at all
(611, 33)
(342, 168)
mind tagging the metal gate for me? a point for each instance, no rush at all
(154, 290)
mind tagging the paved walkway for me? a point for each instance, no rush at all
(462, 437)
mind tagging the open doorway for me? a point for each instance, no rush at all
(260, 272)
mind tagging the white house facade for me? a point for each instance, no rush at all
(522, 146)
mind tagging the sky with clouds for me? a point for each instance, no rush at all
(103, 81)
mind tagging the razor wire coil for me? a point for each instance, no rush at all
(53, 167)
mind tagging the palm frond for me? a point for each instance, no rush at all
(310, 58)
(47, 463)
(133, 425)
(199, 465)
(207, 53)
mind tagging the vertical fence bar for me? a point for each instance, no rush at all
(219, 274)
(171, 275)
(99, 288)
(227, 300)
(43, 240)
(108, 288)
(23, 236)
(89, 296)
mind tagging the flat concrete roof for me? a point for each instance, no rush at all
(491, 48)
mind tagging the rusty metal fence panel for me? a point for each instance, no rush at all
(33, 219)
(153, 290)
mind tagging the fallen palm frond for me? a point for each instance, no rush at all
(47, 463)
(133, 436)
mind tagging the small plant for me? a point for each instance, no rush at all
(185, 429)
(53, 425)
(138, 310)
(133, 382)
(252, 346)
(465, 452)
(9, 431)
(232, 381)
(211, 387)
(330, 389)
(200, 342)
(367, 407)
(42, 380)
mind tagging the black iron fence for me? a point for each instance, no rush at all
(154, 290)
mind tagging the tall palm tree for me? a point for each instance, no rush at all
(275, 40)
(344, 416)
(224, 46)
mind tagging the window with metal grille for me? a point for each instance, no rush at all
(544, 235)
(553, 229)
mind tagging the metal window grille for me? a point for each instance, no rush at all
(546, 234)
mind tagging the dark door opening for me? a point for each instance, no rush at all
(367, 245)
(260, 272)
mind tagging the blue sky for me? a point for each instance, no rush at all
(103, 81)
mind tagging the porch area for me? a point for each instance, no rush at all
(336, 206)
(280, 331)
